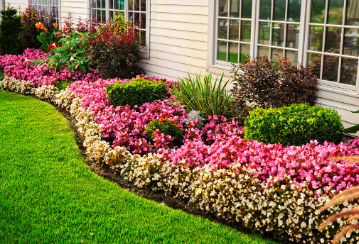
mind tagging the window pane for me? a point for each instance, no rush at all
(264, 33)
(246, 31)
(349, 71)
(352, 17)
(233, 53)
(335, 15)
(111, 14)
(278, 52)
(143, 38)
(292, 56)
(143, 5)
(233, 29)
(116, 6)
(222, 28)
(292, 36)
(266, 8)
(330, 69)
(263, 51)
(137, 20)
(351, 42)
(318, 11)
(122, 4)
(234, 8)
(98, 4)
(137, 5)
(294, 7)
(143, 21)
(315, 38)
(103, 17)
(103, 4)
(332, 40)
(314, 63)
(110, 5)
(278, 35)
(223, 8)
(245, 48)
(222, 51)
(279, 10)
(246, 9)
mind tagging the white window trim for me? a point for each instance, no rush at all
(145, 51)
(302, 45)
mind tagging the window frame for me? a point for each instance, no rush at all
(145, 51)
(49, 6)
(302, 43)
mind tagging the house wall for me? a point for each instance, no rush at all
(76, 7)
(22, 4)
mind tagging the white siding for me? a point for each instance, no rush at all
(342, 101)
(77, 8)
(22, 4)
(178, 38)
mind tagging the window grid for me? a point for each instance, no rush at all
(47, 6)
(335, 52)
(233, 35)
(135, 12)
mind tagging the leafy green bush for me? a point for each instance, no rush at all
(71, 54)
(136, 92)
(62, 85)
(166, 126)
(10, 28)
(294, 125)
(204, 97)
(272, 84)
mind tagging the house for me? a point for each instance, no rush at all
(199, 36)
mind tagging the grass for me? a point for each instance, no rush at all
(49, 195)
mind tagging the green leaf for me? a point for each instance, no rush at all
(353, 129)
(82, 68)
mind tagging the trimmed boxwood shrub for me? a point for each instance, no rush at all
(136, 92)
(294, 125)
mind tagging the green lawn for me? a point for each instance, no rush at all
(49, 195)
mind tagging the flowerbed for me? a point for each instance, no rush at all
(18, 66)
(264, 187)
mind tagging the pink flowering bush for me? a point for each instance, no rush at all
(18, 66)
(122, 125)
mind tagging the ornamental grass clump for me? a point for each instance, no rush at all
(204, 96)
(297, 124)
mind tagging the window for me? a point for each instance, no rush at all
(135, 12)
(49, 6)
(321, 34)
(234, 30)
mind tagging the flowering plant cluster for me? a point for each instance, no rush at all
(18, 66)
(49, 40)
(265, 187)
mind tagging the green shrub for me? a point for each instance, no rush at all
(136, 92)
(294, 125)
(62, 85)
(166, 126)
(10, 28)
(204, 97)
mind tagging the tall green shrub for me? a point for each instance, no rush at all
(10, 28)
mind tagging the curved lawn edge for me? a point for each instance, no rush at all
(49, 195)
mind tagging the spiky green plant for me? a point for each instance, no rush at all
(346, 195)
(204, 96)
